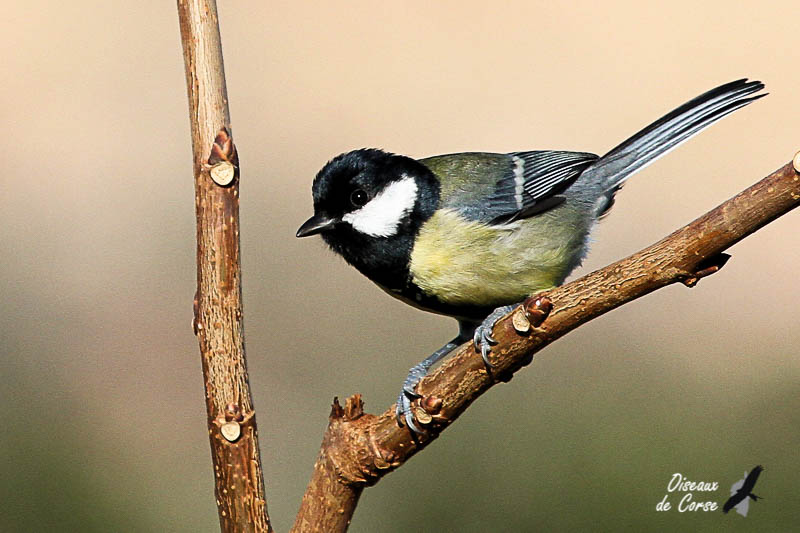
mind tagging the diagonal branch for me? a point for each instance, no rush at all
(239, 484)
(360, 448)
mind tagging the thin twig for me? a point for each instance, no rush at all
(360, 448)
(239, 485)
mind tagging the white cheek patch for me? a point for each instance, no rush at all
(381, 216)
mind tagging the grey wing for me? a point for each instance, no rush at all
(533, 183)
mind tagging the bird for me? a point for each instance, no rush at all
(745, 490)
(470, 235)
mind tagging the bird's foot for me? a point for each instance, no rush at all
(404, 411)
(483, 334)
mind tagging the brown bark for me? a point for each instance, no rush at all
(359, 448)
(328, 492)
(239, 485)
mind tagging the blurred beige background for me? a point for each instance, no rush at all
(100, 377)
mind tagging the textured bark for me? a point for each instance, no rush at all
(360, 448)
(328, 504)
(239, 485)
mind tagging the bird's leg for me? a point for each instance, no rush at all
(403, 410)
(480, 334)
(482, 337)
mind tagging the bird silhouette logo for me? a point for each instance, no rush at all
(741, 492)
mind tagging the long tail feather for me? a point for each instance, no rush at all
(671, 130)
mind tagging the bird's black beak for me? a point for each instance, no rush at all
(316, 224)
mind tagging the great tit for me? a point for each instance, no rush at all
(469, 235)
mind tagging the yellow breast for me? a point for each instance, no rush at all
(462, 262)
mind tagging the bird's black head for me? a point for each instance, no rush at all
(369, 206)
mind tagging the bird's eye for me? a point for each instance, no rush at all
(359, 197)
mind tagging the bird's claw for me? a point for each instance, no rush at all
(483, 341)
(403, 409)
(404, 413)
(483, 338)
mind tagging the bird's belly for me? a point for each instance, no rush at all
(466, 263)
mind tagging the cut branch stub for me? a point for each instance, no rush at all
(224, 160)
(707, 267)
(537, 309)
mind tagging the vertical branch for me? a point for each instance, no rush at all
(239, 485)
